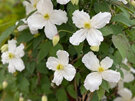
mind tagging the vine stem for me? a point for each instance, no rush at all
(64, 31)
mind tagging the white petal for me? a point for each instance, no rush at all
(91, 61)
(58, 77)
(63, 57)
(29, 7)
(52, 63)
(4, 57)
(120, 84)
(93, 81)
(111, 76)
(69, 72)
(100, 20)
(58, 17)
(106, 62)
(112, 85)
(22, 27)
(36, 21)
(78, 37)
(12, 45)
(132, 70)
(18, 64)
(124, 1)
(79, 18)
(118, 99)
(63, 2)
(125, 94)
(128, 76)
(20, 51)
(11, 68)
(94, 37)
(33, 31)
(50, 30)
(44, 6)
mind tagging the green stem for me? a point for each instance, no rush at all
(64, 31)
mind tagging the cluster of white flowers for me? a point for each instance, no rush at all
(45, 17)
(12, 54)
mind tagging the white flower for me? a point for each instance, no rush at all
(61, 67)
(25, 26)
(89, 27)
(100, 71)
(30, 6)
(124, 1)
(13, 56)
(125, 95)
(46, 16)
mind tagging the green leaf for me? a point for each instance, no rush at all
(72, 91)
(122, 44)
(100, 93)
(44, 50)
(61, 95)
(105, 85)
(6, 34)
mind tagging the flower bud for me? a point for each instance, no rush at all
(56, 39)
(94, 48)
(75, 2)
(21, 99)
(4, 84)
(4, 48)
(44, 98)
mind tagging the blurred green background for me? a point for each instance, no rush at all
(10, 12)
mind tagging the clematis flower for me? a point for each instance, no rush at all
(100, 70)
(30, 6)
(61, 67)
(13, 56)
(47, 17)
(124, 1)
(89, 27)
(125, 95)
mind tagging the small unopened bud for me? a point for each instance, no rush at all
(4, 84)
(44, 98)
(4, 48)
(21, 99)
(56, 39)
(75, 2)
(94, 48)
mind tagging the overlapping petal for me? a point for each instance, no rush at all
(106, 62)
(63, 57)
(93, 81)
(63, 2)
(79, 18)
(78, 37)
(94, 37)
(100, 20)
(91, 61)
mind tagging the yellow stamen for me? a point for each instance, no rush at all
(11, 55)
(46, 16)
(60, 67)
(87, 25)
(101, 69)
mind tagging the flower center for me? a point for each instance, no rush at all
(87, 25)
(46, 16)
(11, 55)
(100, 69)
(60, 67)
